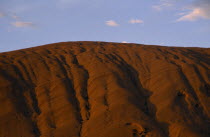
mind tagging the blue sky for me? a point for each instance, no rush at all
(28, 23)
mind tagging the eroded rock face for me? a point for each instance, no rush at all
(97, 89)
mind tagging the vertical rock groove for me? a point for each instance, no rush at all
(87, 89)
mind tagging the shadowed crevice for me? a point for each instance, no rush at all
(141, 95)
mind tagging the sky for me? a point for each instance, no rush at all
(29, 23)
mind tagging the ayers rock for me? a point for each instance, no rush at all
(98, 89)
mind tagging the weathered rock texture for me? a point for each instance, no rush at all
(97, 89)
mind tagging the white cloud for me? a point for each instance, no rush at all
(124, 42)
(199, 10)
(112, 23)
(136, 21)
(163, 4)
(20, 24)
(194, 15)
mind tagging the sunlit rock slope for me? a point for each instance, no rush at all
(98, 89)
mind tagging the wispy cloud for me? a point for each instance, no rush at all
(112, 23)
(2, 14)
(199, 10)
(136, 21)
(17, 21)
(163, 4)
(124, 42)
(15, 17)
(21, 24)
(10, 15)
